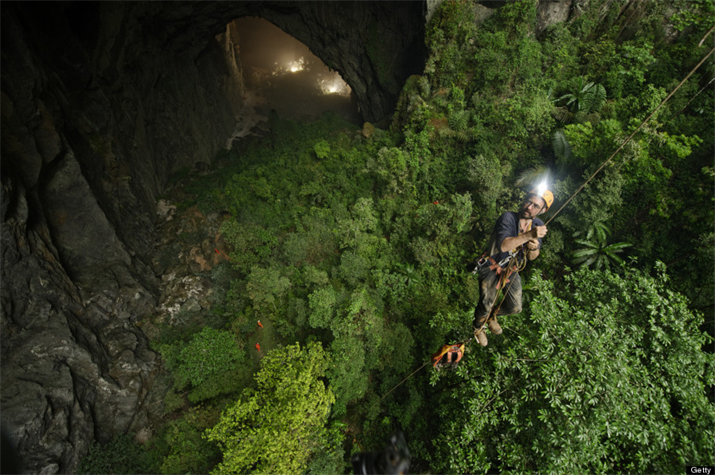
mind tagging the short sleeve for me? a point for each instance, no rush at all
(506, 226)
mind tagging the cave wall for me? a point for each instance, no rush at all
(96, 113)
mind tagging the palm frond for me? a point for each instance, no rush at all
(561, 145)
(531, 176)
(615, 258)
(617, 247)
(602, 232)
(583, 253)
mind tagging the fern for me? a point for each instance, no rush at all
(458, 121)
(586, 98)
(593, 98)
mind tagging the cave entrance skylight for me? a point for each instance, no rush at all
(281, 73)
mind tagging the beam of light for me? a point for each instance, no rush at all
(289, 67)
(542, 187)
(295, 66)
(334, 84)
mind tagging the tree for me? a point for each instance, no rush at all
(277, 426)
(607, 375)
(208, 364)
(265, 287)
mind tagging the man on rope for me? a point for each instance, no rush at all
(515, 239)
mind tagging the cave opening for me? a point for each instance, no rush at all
(281, 73)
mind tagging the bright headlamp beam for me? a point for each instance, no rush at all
(541, 188)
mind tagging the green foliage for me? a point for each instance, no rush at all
(322, 149)
(276, 427)
(251, 244)
(209, 364)
(607, 375)
(329, 458)
(361, 244)
(121, 455)
(694, 14)
(454, 24)
(392, 167)
(189, 451)
(485, 174)
(265, 287)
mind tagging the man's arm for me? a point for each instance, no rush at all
(515, 241)
(532, 249)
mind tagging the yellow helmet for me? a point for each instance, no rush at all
(545, 195)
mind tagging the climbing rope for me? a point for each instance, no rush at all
(495, 309)
(398, 384)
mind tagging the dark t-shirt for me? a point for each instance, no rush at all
(506, 226)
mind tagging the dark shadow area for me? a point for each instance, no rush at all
(281, 73)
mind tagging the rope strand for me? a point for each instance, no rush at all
(398, 384)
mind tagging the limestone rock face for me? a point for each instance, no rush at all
(74, 367)
(550, 12)
(96, 113)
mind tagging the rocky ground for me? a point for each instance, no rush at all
(190, 250)
(191, 259)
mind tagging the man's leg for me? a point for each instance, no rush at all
(509, 303)
(512, 301)
(488, 280)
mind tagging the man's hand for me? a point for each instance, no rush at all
(532, 249)
(538, 232)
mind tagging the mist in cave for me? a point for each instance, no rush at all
(281, 74)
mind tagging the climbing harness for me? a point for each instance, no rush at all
(513, 266)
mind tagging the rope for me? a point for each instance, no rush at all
(398, 384)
